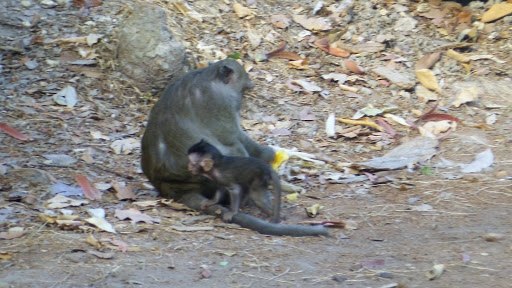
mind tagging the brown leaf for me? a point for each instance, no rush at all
(205, 272)
(135, 215)
(280, 21)
(279, 48)
(457, 56)
(384, 124)
(427, 61)
(465, 16)
(123, 191)
(338, 52)
(325, 46)
(13, 132)
(5, 255)
(313, 23)
(123, 246)
(300, 64)
(322, 44)
(242, 11)
(439, 117)
(87, 156)
(12, 233)
(352, 66)
(89, 191)
(284, 55)
(305, 114)
(428, 79)
(482, 126)
(496, 12)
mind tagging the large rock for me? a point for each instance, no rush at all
(147, 52)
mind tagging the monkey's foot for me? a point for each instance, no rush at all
(228, 216)
(275, 219)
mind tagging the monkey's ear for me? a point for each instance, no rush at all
(207, 164)
(226, 74)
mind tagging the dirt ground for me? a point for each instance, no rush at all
(397, 230)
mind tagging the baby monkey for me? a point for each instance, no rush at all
(242, 178)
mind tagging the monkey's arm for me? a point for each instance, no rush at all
(193, 200)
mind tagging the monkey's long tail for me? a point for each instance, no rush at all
(193, 200)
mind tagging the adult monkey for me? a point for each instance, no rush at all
(204, 104)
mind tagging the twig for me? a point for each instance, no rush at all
(279, 275)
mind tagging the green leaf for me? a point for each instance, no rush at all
(426, 170)
(235, 56)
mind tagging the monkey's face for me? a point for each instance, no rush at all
(200, 164)
(194, 164)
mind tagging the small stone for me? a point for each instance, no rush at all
(493, 237)
(339, 278)
(48, 4)
(26, 4)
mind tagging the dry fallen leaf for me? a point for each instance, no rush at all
(438, 127)
(457, 56)
(313, 23)
(366, 121)
(301, 64)
(99, 135)
(135, 215)
(60, 201)
(307, 85)
(427, 79)
(466, 95)
(13, 132)
(352, 66)
(292, 196)
(242, 11)
(368, 47)
(87, 155)
(424, 95)
(67, 97)
(325, 46)
(496, 12)
(280, 21)
(330, 125)
(186, 9)
(123, 191)
(435, 272)
(125, 146)
(14, 232)
(313, 210)
(254, 38)
(91, 240)
(89, 191)
(123, 246)
(5, 255)
(98, 219)
(427, 61)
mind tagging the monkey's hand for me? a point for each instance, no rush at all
(207, 203)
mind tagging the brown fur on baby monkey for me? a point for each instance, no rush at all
(242, 178)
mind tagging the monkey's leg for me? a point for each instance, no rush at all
(193, 200)
(235, 195)
(216, 199)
